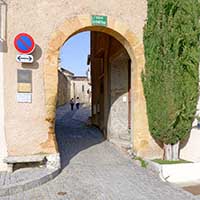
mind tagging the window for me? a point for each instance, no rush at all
(82, 88)
(3, 15)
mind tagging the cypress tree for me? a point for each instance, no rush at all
(170, 80)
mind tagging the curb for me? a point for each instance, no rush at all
(156, 168)
(27, 185)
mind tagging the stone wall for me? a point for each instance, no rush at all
(110, 85)
(64, 87)
(3, 145)
(29, 127)
(119, 131)
(99, 77)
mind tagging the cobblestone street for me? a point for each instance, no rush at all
(93, 169)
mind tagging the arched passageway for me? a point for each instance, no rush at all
(141, 139)
(110, 106)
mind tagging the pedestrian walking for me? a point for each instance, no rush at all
(72, 103)
(77, 103)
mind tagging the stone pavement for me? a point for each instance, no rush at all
(24, 179)
(93, 169)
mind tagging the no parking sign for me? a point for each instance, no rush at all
(24, 43)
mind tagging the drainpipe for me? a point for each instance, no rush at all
(3, 145)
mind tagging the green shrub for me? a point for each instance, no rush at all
(170, 80)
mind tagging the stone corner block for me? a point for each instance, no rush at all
(53, 161)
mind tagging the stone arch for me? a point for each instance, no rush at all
(134, 47)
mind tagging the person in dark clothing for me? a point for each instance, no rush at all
(72, 103)
(77, 103)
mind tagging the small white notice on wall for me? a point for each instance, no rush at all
(24, 97)
(124, 99)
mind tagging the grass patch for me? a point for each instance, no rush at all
(162, 162)
(143, 163)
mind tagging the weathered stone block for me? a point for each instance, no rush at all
(131, 38)
(69, 27)
(85, 20)
(57, 40)
(53, 161)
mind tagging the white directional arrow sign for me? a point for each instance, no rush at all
(24, 58)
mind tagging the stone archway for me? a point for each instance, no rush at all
(141, 138)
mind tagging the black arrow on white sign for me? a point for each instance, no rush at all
(24, 58)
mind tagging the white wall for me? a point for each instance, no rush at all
(3, 147)
(77, 91)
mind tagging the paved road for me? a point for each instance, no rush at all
(94, 170)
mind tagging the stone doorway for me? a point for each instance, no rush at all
(109, 80)
(141, 139)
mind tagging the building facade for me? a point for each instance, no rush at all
(28, 113)
(80, 87)
(70, 86)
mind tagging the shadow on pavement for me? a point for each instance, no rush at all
(73, 134)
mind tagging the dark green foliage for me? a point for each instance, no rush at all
(171, 40)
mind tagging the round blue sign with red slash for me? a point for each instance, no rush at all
(24, 43)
